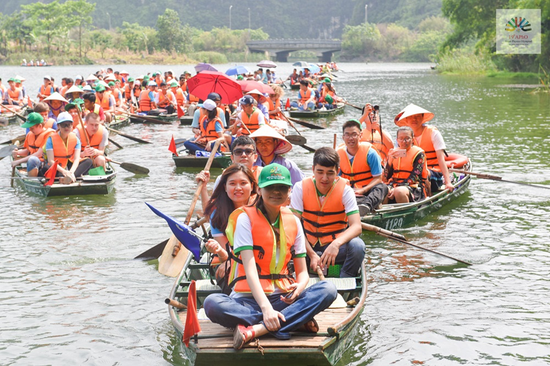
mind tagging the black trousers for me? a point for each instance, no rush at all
(374, 197)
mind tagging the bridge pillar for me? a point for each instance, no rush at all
(324, 56)
(282, 56)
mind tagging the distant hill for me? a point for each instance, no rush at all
(279, 18)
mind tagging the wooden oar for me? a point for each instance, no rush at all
(173, 256)
(16, 144)
(306, 124)
(351, 105)
(133, 168)
(497, 178)
(300, 141)
(156, 251)
(14, 112)
(133, 138)
(115, 143)
(6, 151)
(401, 239)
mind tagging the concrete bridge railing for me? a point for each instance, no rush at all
(280, 49)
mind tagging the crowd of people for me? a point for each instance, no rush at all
(264, 211)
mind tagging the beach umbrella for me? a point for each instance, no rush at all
(207, 82)
(267, 63)
(249, 85)
(300, 64)
(236, 70)
(314, 69)
(204, 67)
(411, 110)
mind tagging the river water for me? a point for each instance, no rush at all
(71, 294)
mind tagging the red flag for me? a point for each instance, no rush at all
(50, 174)
(180, 110)
(192, 325)
(29, 102)
(172, 147)
(287, 105)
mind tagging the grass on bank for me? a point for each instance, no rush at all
(463, 62)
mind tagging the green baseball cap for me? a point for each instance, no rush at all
(17, 81)
(329, 99)
(111, 83)
(356, 121)
(274, 174)
(327, 80)
(33, 119)
(74, 103)
(11, 79)
(99, 88)
(174, 84)
(131, 80)
(146, 77)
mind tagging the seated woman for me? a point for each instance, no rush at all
(211, 129)
(328, 96)
(235, 188)
(406, 171)
(64, 147)
(266, 236)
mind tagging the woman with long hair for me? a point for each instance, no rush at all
(266, 236)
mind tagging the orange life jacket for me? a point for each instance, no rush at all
(250, 121)
(95, 140)
(305, 95)
(117, 95)
(45, 91)
(193, 99)
(331, 93)
(324, 222)
(145, 103)
(256, 170)
(48, 123)
(374, 138)
(165, 99)
(14, 94)
(208, 132)
(203, 112)
(358, 173)
(64, 90)
(403, 167)
(271, 264)
(427, 145)
(63, 153)
(104, 103)
(128, 91)
(33, 142)
(180, 97)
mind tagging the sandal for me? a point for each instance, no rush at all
(242, 335)
(311, 326)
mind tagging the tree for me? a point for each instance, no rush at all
(79, 12)
(100, 38)
(360, 40)
(170, 33)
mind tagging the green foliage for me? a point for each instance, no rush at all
(209, 57)
(360, 40)
(139, 39)
(464, 61)
(47, 20)
(473, 20)
(170, 32)
(100, 39)
(435, 24)
(425, 47)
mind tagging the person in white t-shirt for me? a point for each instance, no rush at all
(327, 207)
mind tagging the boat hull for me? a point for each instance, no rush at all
(391, 217)
(191, 161)
(316, 113)
(86, 186)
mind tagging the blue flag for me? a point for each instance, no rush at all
(184, 233)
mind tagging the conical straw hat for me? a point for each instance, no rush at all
(411, 110)
(268, 131)
(56, 96)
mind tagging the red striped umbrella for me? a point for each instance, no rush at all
(207, 82)
(249, 85)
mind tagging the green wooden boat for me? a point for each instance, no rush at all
(88, 184)
(338, 326)
(191, 161)
(317, 112)
(8, 117)
(295, 86)
(186, 120)
(120, 120)
(397, 215)
(163, 119)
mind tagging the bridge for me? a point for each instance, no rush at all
(280, 49)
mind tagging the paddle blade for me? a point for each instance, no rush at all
(192, 325)
(184, 233)
(50, 174)
(172, 147)
(152, 253)
(136, 169)
(296, 139)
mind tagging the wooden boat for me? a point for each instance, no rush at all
(397, 215)
(186, 120)
(317, 112)
(88, 184)
(191, 161)
(159, 119)
(120, 120)
(338, 326)
(8, 117)
(295, 86)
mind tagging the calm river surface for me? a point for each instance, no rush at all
(71, 294)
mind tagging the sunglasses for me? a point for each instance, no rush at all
(239, 152)
(65, 125)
